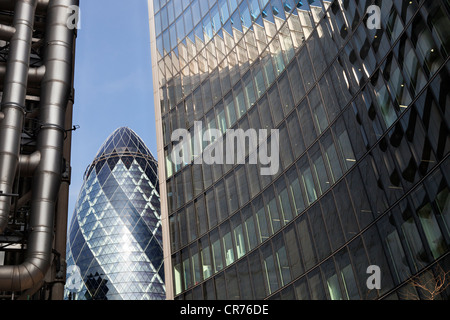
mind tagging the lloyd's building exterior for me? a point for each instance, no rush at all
(357, 93)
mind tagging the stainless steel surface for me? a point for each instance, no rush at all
(45, 165)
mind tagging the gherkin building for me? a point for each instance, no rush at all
(114, 248)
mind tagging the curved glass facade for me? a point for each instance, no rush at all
(114, 245)
(363, 120)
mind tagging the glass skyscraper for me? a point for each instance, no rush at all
(115, 238)
(359, 93)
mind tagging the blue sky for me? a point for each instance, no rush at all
(113, 80)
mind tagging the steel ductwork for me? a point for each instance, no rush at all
(45, 165)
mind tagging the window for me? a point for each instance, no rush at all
(221, 121)
(256, 272)
(307, 180)
(293, 252)
(261, 220)
(344, 146)
(306, 123)
(211, 209)
(222, 199)
(319, 232)
(429, 223)
(426, 47)
(394, 248)
(331, 280)
(231, 194)
(306, 244)
(249, 90)
(345, 210)
(347, 276)
(316, 285)
(295, 191)
(285, 147)
(275, 104)
(192, 222)
(201, 215)
(281, 260)
(242, 187)
(187, 277)
(197, 274)
(225, 234)
(244, 277)
(414, 246)
(270, 274)
(238, 235)
(283, 201)
(293, 125)
(239, 100)
(332, 221)
(272, 210)
(286, 94)
(249, 227)
(318, 167)
(216, 250)
(205, 255)
(296, 81)
(331, 158)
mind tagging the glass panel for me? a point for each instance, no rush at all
(316, 285)
(270, 273)
(293, 125)
(307, 181)
(257, 276)
(283, 201)
(394, 248)
(429, 224)
(318, 112)
(239, 100)
(319, 232)
(293, 251)
(250, 228)
(230, 110)
(216, 251)
(345, 210)
(319, 170)
(286, 94)
(281, 260)
(225, 234)
(211, 208)
(272, 210)
(186, 268)
(205, 255)
(197, 274)
(231, 194)
(306, 123)
(344, 146)
(261, 220)
(242, 187)
(244, 277)
(238, 235)
(306, 244)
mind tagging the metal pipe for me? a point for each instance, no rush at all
(35, 75)
(13, 101)
(55, 90)
(6, 32)
(9, 4)
(28, 163)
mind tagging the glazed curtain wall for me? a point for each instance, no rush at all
(363, 133)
